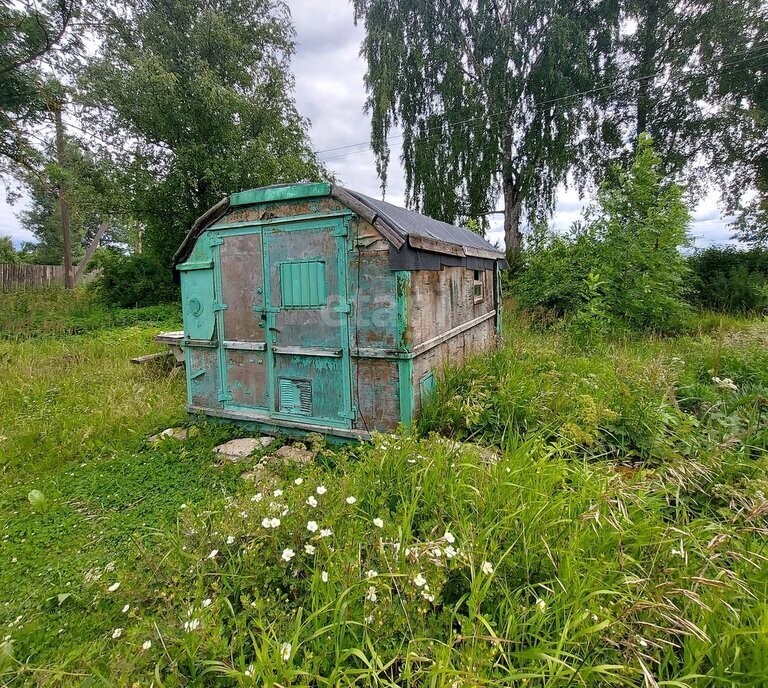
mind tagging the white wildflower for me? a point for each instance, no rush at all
(378, 522)
(117, 633)
(437, 553)
(250, 671)
(428, 596)
(312, 526)
(311, 501)
(278, 493)
(230, 540)
(126, 608)
(643, 642)
(541, 604)
(257, 497)
(449, 537)
(146, 645)
(309, 549)
(326, 532)
(213, 554)
(266, 523)
(207, 602)
(419, 581)
(321, 489)
(183, 506)
(192, 625)
(285, 651)
(324, 576)
(274, 522)
(298, 481)
(371, 574)
(368, 619)
(113, 587)
(450, 552)
(350, 500)
(487, 568)
(370, 594)
(288, 554)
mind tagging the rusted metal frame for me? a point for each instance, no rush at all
(344, 246)
(224, 392)
(244, 346)
(271, 421)
(230, 228)
(308, 351)
(450, 334)
(207, 218)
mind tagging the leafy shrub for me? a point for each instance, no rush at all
(730, 280)
(134, 281)
(623, 270)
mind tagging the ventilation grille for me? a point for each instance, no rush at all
(302, 284)
(295, 397)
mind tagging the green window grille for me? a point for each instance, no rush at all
(303, 284)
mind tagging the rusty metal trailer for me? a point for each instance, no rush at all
(314, 308)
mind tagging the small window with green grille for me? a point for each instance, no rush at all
(302, 284)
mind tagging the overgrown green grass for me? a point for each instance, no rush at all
(617, 537)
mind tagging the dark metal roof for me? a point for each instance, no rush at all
(409, 233)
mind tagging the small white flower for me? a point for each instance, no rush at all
(230, 540)
(321, 489)
(250, 671)
(350, 500)
(146, 645)
(298, 481)
(312, 526)
(371, 574)
(192, 625)
(437, 553)
(541, 604)
(378, 522)
(274, 522)
(288, 554)
(411, 460)
(449, 537)
(643, 642)
(309, 549)
(428, 596)
(266, 523)
(213, 554)
(117, 633)
(419, 581)
(368, 619)
(14, 560)
(278, 493)
(311, 501)
(594, 617)
(183, 506)
(487, 568)
(207, 602)
(324, 576)
(326, 532)
(257, 497)
(126, 608)
(113, 587)
(450, 552)
(285, 651)
(370, 594)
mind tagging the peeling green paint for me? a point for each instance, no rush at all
(280, 193)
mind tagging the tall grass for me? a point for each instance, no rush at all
(615, 534)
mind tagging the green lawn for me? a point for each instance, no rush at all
(620, 538)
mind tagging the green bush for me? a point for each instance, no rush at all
(134, 281)
(622, 270)
(730, 280)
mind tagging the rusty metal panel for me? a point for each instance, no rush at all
(203, 376)
(377, 394)
(247, 378)
(242, 288)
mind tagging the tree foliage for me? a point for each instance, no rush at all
(30, 32)
(727, 279)
(623, 270)
(483, 92)
(199, 96)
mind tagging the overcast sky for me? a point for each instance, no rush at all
(330, 92)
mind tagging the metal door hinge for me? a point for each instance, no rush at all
(349, 415)
(217, 242)
(343, 308)
(225, 396)
(340, 232)
(219, 307)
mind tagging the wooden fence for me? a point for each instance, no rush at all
(17, 277)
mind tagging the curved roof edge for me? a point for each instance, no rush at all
(398, 225)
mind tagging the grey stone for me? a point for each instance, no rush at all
(234, 450)
(176, 433)
(288, 453)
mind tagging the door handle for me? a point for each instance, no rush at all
(273, 329)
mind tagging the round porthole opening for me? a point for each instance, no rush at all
(195, 305)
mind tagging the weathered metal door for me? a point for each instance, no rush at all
(243, 320)
(307, 321)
